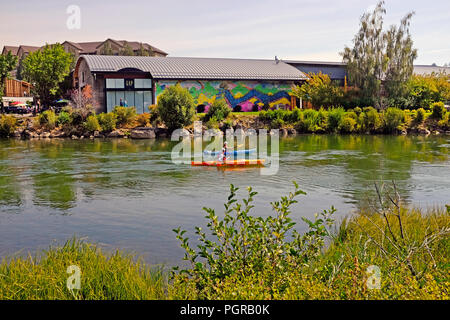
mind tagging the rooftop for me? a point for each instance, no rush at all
(197, 68)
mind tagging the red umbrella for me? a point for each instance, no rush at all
(15, 103)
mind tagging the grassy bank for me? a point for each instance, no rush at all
(245, 257)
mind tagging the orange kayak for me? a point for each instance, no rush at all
(229, 163)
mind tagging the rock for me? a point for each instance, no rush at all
(30, 134)
(115, 134)
(161, 132)
(404, 132)
(45, 135)
(97, 134)
(424, 131)
(436, 133)
(17, 133)
(284, 132)
(143, 133)
(74, 137)
(185, 133)
(447, 132)
(292, 132)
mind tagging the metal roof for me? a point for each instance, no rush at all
(197, 68)
(335, 70)
(429, 70)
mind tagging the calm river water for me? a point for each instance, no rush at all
(129, 195)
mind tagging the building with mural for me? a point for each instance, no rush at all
(138, 81)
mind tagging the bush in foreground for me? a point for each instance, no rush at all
(241, 256)
(246, 257)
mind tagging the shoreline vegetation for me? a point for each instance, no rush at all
(245, 257)
(123, 122)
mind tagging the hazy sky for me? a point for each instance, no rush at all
(290, 29)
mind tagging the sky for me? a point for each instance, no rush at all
(260, 29)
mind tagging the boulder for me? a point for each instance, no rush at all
(45, 135)
(97, 134)
(424, 131)
(292, 132)
(116, 134)
(143, 133)
(74, 137)
(162, 132)
(17, 133)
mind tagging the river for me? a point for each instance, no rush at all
(128, 195)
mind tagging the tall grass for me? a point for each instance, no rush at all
(246, 257)
(103, 277)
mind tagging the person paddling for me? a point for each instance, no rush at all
(223, 156)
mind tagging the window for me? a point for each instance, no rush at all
(139, 101)
(148, 100)
(110, 101)
(143, 83)
(136, 92)
(120, 83)
(129, 98)
(110, 83)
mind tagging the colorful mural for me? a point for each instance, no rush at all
(243, 93)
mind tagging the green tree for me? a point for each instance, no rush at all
(176, 107)
(8, 62)
(107, 50)
(126, 50)
(46, 69)
(400, 56)
(320, 91)
(425, 90)
(142, 52)
(379, 56)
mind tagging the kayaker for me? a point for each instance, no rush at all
(223, 156)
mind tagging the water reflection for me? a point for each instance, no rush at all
(61, 169)
(129, 195)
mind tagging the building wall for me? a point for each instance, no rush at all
(97, 83)
(243, 93)
(17, 88)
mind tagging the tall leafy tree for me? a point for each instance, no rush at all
(46, 69)
(400, 56)
(380, 62)
(8, 62)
